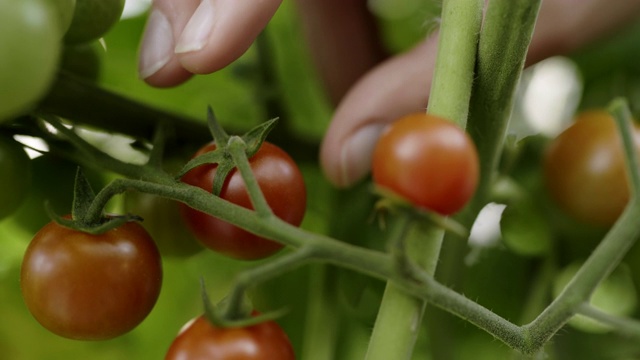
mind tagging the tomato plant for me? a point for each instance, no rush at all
(29, 61)
(282, 184)
(199, 339)
(15, 176)
(428, 160)
(91, 287)
(584, 169)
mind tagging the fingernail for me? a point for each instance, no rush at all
(157, 45)
(355, 159)
(196, 33)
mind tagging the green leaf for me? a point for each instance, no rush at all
(83, 196)
(219, 135)
(256, 136)
(213, 157)
(223, 170)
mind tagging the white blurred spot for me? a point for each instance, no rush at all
(485, 231)
(34, 146)
(133, 8)
(551, 95)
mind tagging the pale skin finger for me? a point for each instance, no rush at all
(343, 41)
(198, 36)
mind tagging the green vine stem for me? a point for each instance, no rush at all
(527, 339)
(322, 327)
(622, 325)
(506, 34)
(503, 42)
(268, 270)
(400, 314)
(237, 149)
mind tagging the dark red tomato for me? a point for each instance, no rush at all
(584, 169)
(428, 160)
(199, 339)
(91, 287)
(282, 185)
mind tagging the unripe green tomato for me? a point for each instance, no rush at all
(616, 295)
(82, 60)
(92, 19)
(29, 54)
(64, 10)
(15, 175)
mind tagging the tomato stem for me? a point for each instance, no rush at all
(504, 40)
(400, 314)
(622, 114)
(266, 271)
(237, 149)
(623, 325)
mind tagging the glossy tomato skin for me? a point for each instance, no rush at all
(428, 160)
(282, 184)
(91, 287)
(584, 169)
(199, 339)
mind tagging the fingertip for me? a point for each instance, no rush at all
(157, 62)
(353, 157)
(221, 31)
(171, 75)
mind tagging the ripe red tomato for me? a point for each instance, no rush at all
(584, 169)
(282, 185)
(91, 287)
(199, 339)
(428, 160)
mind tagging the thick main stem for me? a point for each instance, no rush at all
(401, 313)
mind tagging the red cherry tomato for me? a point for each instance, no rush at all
(282, 184)
(429, 161)
(199, 339)
(584, 169)
(91, 287)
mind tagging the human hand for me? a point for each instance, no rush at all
(197, 37)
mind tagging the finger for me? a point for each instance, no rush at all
(220, 31)
(343, 41)
(158, 65)
(394, 88)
